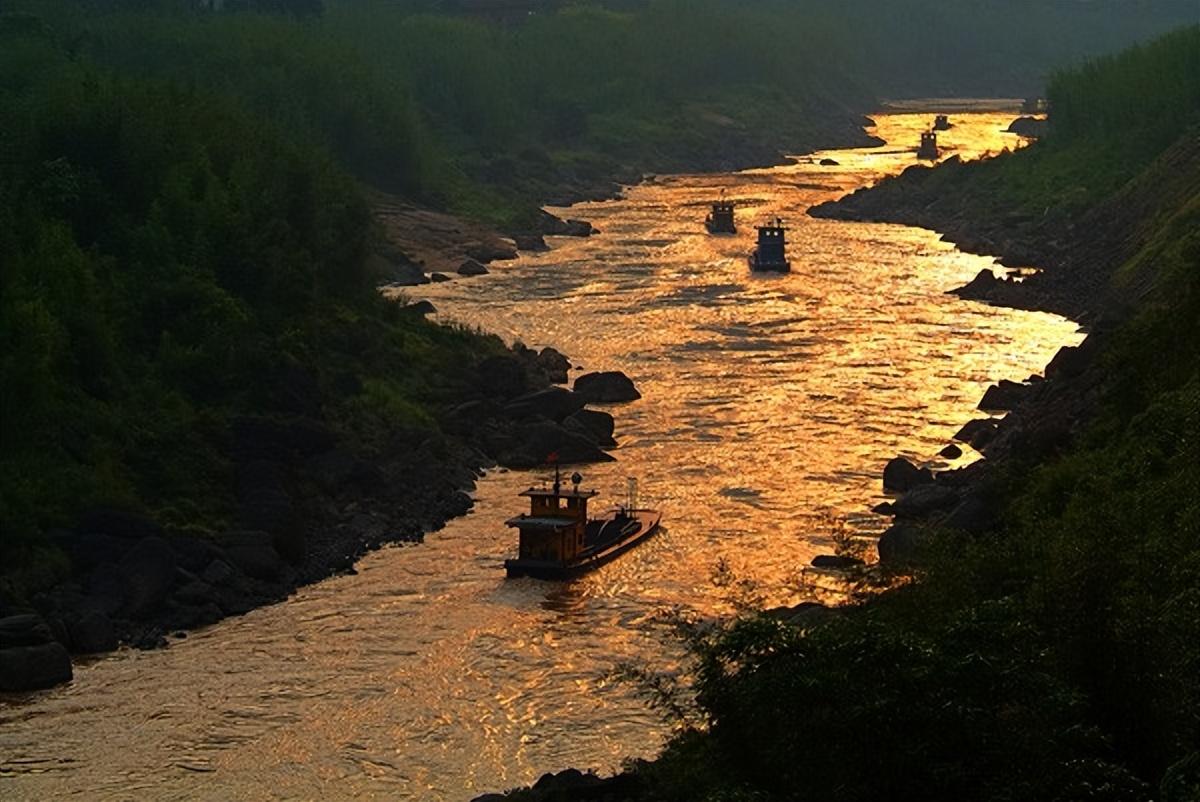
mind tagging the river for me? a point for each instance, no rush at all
(770, 405)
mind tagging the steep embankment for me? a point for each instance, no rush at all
(1042, 639)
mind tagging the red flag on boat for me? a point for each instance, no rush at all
(552, 457)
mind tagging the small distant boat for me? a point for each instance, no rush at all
(558, 540)
(929, 146)
(720, 219)
(769, 255)
(941, 123)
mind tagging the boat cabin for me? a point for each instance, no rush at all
(929, 146)
(770, 253)
(941, 123)
(720, 219)
(556, 526)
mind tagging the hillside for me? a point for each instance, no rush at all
(1040, 640)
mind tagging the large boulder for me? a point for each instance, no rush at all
(1029, 127)
(400, 272)
(25, 629)
(900, 475)
(501, 377)
(537, 440)
(149, 571)
(531, 241)
(30, 668)
(92, 633)
(1071, 360)
(1003, 396)
(606, 387)
(554, 364)
(594, 424)
(555, 403)
(472, 267)
(492, 251)
(924, 499)
(900, 544)
(977, 433)
(254, 553)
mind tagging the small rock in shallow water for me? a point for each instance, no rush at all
(951, 452)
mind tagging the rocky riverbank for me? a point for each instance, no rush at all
(1081, 254)
(309, 505)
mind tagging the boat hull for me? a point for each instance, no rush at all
(769, 267)
(648, 521)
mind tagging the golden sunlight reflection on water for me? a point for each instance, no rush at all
(770, 406)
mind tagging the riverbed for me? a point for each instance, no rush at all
(771, 403)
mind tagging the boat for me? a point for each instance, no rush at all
(557, 539)
(720, 219)
(941, 123)
(929, 146)
(768, 255)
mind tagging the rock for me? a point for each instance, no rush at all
(1070, 361)
(438, 277)
(977, 433)
(1004, 395)
(594, 424)
(804, 614)
(555, 403)
(501, 377)
(533, 242)
(30, 668)
(149, 572)
(550, 224)
(491, 251)
(972, 515)
(92, 633)
(472, 268)
(218, 572)
(87, 550)
(828, 163)
(396, 271)
(1030, 127)
(25, 629)
(196, 592)
(884, 508)
(536, 440)
(899, 544)
(900, 475)
(578, 228)
(606, 387)
(193, 553)
(254, 553)
(106, 589)
(554, 365)
(923, 499)
(421, 308)
(951, 452)
(835, 561)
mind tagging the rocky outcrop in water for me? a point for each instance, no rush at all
(607, 387)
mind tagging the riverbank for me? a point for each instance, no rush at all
(328, 460)
(1044, 614)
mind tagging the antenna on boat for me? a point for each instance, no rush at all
(631, 492)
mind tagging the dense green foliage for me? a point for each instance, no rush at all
(171, 262)
(492, 119)
(1057, 658)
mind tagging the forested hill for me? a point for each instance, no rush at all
(440, 102)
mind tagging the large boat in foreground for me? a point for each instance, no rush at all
(770, 255)
(559, 541)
